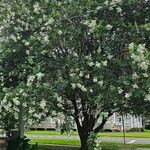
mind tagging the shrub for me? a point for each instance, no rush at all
(20, 144)
(107, 130)
(147, 127)
(116, 130)
(92, 141)
(135, 130)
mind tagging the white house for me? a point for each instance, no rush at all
(114, 122)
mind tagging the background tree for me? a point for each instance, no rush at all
(92, 57)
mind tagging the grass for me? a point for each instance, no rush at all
(145, 134)
(75, 143)
(54, 147)
(56, 142)
(128, 134)
(119, 145)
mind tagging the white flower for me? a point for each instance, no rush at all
(46, 38)
(81, 74)
(13, 38)
(92, 24)
(86, 22)
(40, 75)
(50, 21)
(95, 79)
(87, 76)
(79, 85)
(43, 52)
(98, 65)
(72, 74)
(91, 90)
(73, 85)
(43, 104)
(100, 83)
(141, 48)
(106, 2)
(16, 101)
(30, 80)
(120, 90)
(91, 64)
(88, 57)
(31, 110)
(109, 27)
(135, 76)
(36, 116)
(4, 89)
(131, 46)
(60, 32)
(147, 97)
(99, 50)
(36, 8)
(75, 54)
(127, 95)
(24, 104)
(144, 65)
(7, 108)
(21, 90)
(59, 98)
(110, 56)
(27, 44)
(114, 2)
(119, 10)
(83, 88)
(24, 94)
(27, 52)
(133, 56)
(104, 63)
(135, 86)
(145, 75)
(99, 7)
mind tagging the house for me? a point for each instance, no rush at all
(114, 122)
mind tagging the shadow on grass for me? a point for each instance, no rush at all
(104, 147)
(53, 147)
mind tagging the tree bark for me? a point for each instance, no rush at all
(87, 126)
(100, 127)
(83, 140)
(84, 129)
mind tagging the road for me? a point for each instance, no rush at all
(103, 139)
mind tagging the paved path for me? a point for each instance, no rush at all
(128, 140)
(104, 139)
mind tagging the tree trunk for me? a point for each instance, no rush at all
(85, 128)
(83, 140)
(83, 134)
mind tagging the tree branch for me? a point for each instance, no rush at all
(104, 120)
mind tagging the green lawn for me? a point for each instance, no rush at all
(128, 134)
(56, 141)
(145, 134)
(46, 144)
(75, 143)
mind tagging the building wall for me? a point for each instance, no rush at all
(113, 123)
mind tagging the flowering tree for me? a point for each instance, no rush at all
(85, 59)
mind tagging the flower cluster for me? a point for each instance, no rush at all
(139, 57)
